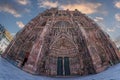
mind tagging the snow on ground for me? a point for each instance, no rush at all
(10, 72)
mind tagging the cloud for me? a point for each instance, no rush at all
(23, 2)
(20, 24)
(47, 4)
(98, 19)
(9, 9)
(117, 16)
(111, 29)
(117, 4)
(86, 7)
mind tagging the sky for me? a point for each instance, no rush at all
(15, 14)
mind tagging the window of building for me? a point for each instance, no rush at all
(48, 14)
(43, 24)
(76, 14)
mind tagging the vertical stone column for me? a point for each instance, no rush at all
(96, 60)
(36, 52)
(86, 56)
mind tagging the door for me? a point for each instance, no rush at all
(63, 68)
(25, 59)
(66, 66)
(60, 66)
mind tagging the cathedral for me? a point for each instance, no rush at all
(62, 43)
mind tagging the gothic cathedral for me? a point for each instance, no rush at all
(62, 43)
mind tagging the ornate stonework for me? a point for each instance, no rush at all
(62, 43)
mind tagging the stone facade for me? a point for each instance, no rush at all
(62, 43)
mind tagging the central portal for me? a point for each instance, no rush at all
(63, 68)
(64, 50)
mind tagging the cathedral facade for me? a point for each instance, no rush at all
(62, 43)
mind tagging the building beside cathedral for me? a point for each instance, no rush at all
(62, 43)
(5, 38)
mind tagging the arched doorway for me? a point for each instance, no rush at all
(63, 49)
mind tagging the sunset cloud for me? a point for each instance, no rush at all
(117, 4)
(47, 4)
(84, 7)
(20, 24)
(87, 8)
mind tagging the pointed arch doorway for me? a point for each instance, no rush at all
(63, 49)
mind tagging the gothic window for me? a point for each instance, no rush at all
(76, 14)
(100, 35)
(82, 24)
(103, 58)
(64, 14)
(18, 42)
(101, 54)
(43, 24)
(59, 14)
(72, 31)
(48, 14)
(62, 24)
(21, 54)
(110, 45)
(33, 38)
(56, 14)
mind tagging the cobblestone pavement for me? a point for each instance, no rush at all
(10, 72)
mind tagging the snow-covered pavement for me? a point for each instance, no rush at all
(10, 72)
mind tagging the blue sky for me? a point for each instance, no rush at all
(14, 14)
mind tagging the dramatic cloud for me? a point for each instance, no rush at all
(23, 2)
(117, 4)
(9, 9)
(117, 16)
(87, 8)
(98, 19)
(47, 4)
(20, 24)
